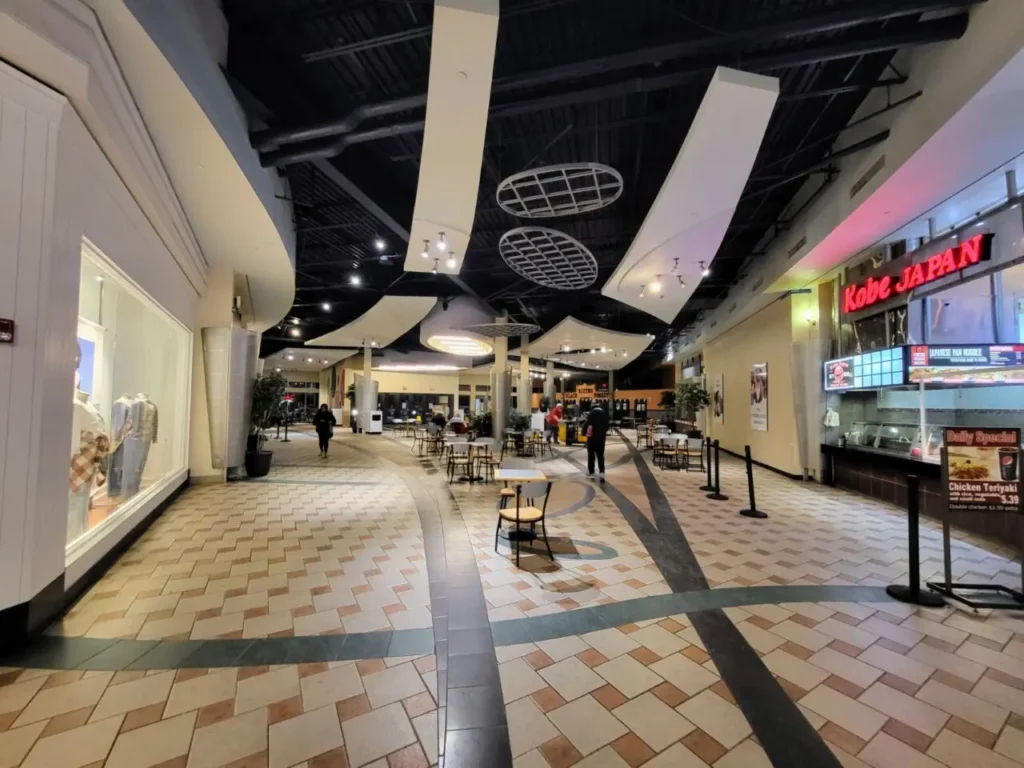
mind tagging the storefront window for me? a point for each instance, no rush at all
(961, 314)
(130, 399)
(1011, 304)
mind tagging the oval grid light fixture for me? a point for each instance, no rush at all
(559, 190)
(549, 258)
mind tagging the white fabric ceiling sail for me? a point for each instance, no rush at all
(589, 346)
(688, 219)
(462, 47)
(384, 322)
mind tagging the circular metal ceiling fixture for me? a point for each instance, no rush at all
(548, 257)
(494, 330)
(559, 190)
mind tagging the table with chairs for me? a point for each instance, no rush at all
(678, 450)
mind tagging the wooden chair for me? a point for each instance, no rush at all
(531, 515)
(672, 451)
(694, 449)
(458, 458)
(643, 436)
(486, 463)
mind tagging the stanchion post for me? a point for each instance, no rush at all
(911, 593)
(753, 511)
(717, 495)
(286, 440)
(707, 445)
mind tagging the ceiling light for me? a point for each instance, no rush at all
(656, 285)
(675, 266)
(704, 271)
(355, 280)
(379, 244)
(99, 278)
(682, 283)
(326, 307)
(295, 321)
(289, 357)
(451, 259)
(373, 343)
(426, 249)
(309, 359)
(295, 332)
(465, 346)
(324, 362)
(277, 370)
(442, 244)
(625, 354)
(604, 349)
(434, 270)
(593, 351)
(642, 291)
(565, 347)
(414, 367)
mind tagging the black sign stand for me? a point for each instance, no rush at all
(911, 592)
(709, 486)
(753, 511)
(948, 587)
(716, 494)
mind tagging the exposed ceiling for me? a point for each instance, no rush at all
(336, 92)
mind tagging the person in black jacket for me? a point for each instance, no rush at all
(324, 422)
(597, 431)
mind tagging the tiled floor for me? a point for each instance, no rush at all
(335, 547)
(374, 712)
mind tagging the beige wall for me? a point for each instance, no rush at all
(767, 337)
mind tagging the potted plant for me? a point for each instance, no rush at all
(545, 404)
(692, 398)
(267, 392)
(518, 422)
(483, 424)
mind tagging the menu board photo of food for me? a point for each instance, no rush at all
(983, 469)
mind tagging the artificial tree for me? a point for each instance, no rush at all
(267, 392)
(518, 422)
(691, 399)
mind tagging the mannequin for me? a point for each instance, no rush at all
(136, 421)
(89, 444)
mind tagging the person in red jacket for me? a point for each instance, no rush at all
(553, 420)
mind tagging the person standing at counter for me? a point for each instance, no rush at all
(553, 420)
(597, 431)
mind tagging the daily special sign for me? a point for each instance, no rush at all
(983, 469)
(901, 276)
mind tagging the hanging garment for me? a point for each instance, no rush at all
(135, 455)
(88, 462)
(147, 422)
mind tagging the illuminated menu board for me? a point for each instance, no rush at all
(882, 368)
(976, 364)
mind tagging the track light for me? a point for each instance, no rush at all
(434, 270)
(379, 244)
(451, 260)
(425, 253)
(309, 359)
(355, 280)
(442, 244)
(656, 285)
(289, 357)
(565, 347)
(675, 266)
(373, 343)
(704, 271)
(682, 283)
(642, 289)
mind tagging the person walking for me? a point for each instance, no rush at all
(324, 422)
(597, 431)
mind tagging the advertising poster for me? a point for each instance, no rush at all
(759, 397)
(718, 400)
(983, 469)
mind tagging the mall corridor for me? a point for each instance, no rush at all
(353, 612)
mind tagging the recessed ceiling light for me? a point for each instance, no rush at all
(309, 359)
(295, 332)
(289, 357)
(277, 370)
(379, 244)
(355, 280)
(324, 362)
(466, 346)
(373, 343)
(295, 321)
(326, 306)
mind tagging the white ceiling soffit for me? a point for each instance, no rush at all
(688, 219)
(985, 134)
(418, 362)
(462, 49)
(299, 359)
(382, 323)
(620, 349)
(203, 140)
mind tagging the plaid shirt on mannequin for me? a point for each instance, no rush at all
(87, 463)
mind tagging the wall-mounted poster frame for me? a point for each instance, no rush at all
(759, 397)
(718, 399)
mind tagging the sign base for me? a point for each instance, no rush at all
(905, 594)
(1012, 599)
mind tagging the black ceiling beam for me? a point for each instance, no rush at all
(932, 31)
(695, 49)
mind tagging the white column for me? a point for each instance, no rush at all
(500, 395)
(525, 383)
(549, 383)
(366, 400)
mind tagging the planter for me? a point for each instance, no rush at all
(257, 463)
(252, 443)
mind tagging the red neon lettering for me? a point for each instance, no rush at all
(857, 297)
(970, 251)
